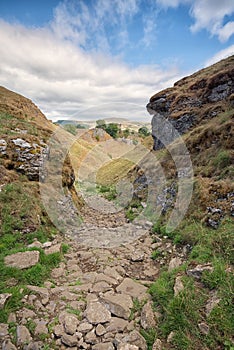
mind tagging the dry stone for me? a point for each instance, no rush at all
(53, 249)
(91, 337)
(69, 340)
(122, 346)
(97, 313)
(204, 328)
(22, 335)
(132, 288)
(119, 304)
(41, 328)
(157, 345)
(84, 327)
(3, 299)
(3, 330)
(174, 263)
(178, 287)
(7, 345)
(147, 316)
(70, 324)
(117, 325)
(135, 338)
(198, 270)
(103, 346)
(100, 330)
(22, 260)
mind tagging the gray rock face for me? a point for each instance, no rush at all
(178, 109)
(22, 260)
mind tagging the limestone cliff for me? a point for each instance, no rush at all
(193, 100)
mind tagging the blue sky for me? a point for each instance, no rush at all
(79, 59)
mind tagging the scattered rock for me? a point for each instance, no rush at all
(7, 345)
(174, 263)
(35, 244)
(22, 260)
(41, 328)
(53, 249)
(84, 327)
(135, 338)
(170, 337)
(157, 345)
(69, 340)
(119, 304)
(212, 302)
(132, 288)
(122, 346)
(204, 328)
(198, 270)
(3, 299)
(91, 337)
(104, 346)
(147, 316)
(97, 313)
(22, 335)
(178, 287)
(3, 330)
(70, 324)
(100, 330)
(117, 325)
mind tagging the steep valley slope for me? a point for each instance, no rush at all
(163, 290)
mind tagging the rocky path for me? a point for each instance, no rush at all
(96, 299)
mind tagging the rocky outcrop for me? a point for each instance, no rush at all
(25, 132)
(200, 96)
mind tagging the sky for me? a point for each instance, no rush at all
(93, 59)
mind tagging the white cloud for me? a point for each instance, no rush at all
(209, 15)
(229, 51)
(65, 81)
(171, 3)
(226, 31)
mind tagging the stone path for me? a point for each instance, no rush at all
(97, 298)
(89, 301)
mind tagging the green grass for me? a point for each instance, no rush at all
(150, 336)
(19, 210)
(182, 313)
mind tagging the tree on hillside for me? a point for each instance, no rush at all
(143, 131)
(126, 132)
(101, 124)
(112, 129)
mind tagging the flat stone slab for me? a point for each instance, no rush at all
(119, 305)
(97, 313)
(22, 260)
(132, 288)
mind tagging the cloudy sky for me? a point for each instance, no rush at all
(88, 59)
